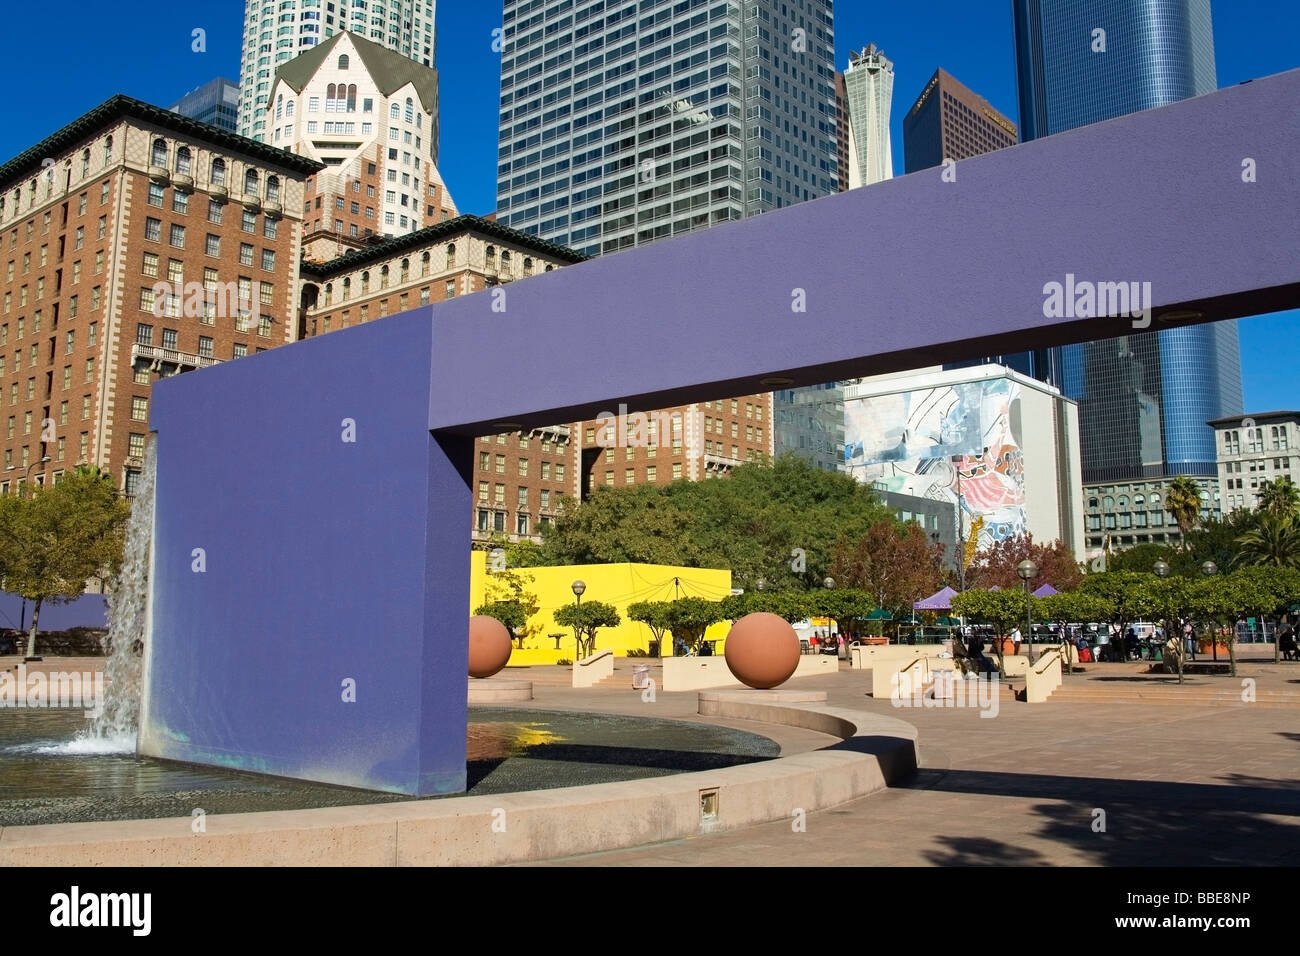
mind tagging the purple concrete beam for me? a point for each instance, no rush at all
(909, 272)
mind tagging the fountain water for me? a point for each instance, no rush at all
(128, 606)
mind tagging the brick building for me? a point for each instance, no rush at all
(94, 220)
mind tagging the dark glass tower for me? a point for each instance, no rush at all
(1143, 399)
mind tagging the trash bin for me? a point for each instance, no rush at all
(641, 676)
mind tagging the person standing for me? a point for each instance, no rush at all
(1016, 639)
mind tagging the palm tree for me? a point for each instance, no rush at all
(1183, 502)
(1274, 542)
(1279, 497)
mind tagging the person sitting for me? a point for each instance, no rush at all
(1288, 645)
(975, 650)
(1132, 645)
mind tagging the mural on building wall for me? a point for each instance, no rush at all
(956, 443)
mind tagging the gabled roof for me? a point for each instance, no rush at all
(118, 107)
(390, 71)
(430, 234)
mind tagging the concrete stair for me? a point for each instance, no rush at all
(622, 676)
(1221, 692)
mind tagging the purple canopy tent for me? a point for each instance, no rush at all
(1045, 590)
(939, 601)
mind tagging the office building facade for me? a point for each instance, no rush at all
(951, 121)
(370, 116)
(868, 95)
(1144, 400)
(276, 31)
(1253, 449)
(215, 103)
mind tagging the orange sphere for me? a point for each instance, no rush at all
(489, 646)
(762, 650)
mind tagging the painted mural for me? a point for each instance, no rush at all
(957, 443)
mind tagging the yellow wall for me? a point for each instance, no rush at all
(616, 584)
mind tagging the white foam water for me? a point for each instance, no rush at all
(128, 603)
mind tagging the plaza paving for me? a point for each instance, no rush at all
(1205, 784)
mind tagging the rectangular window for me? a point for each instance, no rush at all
(153, 229)
(249, 221)
(270, 229)
(90, 369)
(85, 407)
(214, 211)
(245, 253)
(139, 408)
(268, 260)
(155, 195)
(205, 346)
(212, 246)
(176, 236)
(150, 265)
(169, 339)
(180, 202)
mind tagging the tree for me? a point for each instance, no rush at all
(1074, 607)
(750, 523)
(1001, 610)
(688, 618)
(508, 599)
(997, 566)
(654, 615)
(1128, 594)
(895, 562)
(1183, 502)
(52, 542)
(1215, 600)
(790, 606)
(1279, 498)
(1214, 539)
(847, 607)
(1143, 557)
(1259, 591)
(1273, 542)
(586, 619)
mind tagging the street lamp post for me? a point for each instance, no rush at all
(1028, 571)
(1210, 569)
(829, 584)
(578, 587)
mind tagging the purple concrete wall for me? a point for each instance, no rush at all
(317, 567)
(909, 272)
(328, 561)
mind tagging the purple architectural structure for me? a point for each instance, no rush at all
(310, 586)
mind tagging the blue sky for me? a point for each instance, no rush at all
(145, 51)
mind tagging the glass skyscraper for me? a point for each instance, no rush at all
(627, 121)
(1144, 399)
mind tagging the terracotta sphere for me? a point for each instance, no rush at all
(489, 646)
(762, 650)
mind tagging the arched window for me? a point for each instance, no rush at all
(159, 155)
(528, 264)
(352, 97)
(406, 269)
(288, 108)
(85, 162)
(1155, 502)
(329, 293)
(1123, 502)
(505, 255)
(183, 161)
(1108, 503)
(419, 121)
(451, 252)
(108, 150)
(279, 106)
(365, 282)
(424, 264)
(1139, 502)
(394, 111)
(383, 277)
(491, 252)
(343, 61)
(410, 110)
(330, 91)
(250, 183)
(218, 172)
(347, 287)
(273, 188)
(549, 268)
(1094, 503)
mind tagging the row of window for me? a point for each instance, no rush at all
(1255, 440)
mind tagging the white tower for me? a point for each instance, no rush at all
(869, 87)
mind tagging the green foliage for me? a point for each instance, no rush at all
(1273, 542)
(54, 540)
(653, 614)
(848, 607)
(637, 652)
(509, 600)
(790, 606)
(1002, 610)
(1183, 502)
(1279, 498)
(689, 617)
(1075, 607)
(587, 618)
(1143, 557)
(748, 523)
(895, 562)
